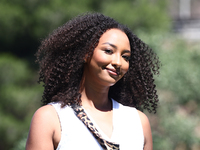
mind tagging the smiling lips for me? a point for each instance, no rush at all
(113, 71)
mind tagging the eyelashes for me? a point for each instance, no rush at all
(126, 58)
(110, 52)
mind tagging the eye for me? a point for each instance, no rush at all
(108, 51)
(126, 58)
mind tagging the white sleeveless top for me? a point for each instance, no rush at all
(127, 129)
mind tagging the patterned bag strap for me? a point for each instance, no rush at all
(106, 145)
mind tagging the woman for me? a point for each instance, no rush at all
(92, 67)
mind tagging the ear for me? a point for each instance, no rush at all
(87, 58)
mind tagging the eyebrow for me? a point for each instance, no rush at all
(114, 46)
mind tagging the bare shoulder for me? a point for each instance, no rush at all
(42, 129)
(45, 113)
(144, 119)
(148, 143)
(44, 116)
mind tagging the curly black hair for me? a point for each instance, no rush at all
(61, 58)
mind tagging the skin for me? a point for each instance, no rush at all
(108, 65)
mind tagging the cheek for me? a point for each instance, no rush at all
(125, 67)
(100, 58)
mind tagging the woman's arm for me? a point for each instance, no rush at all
(42, 130)
(148, 143)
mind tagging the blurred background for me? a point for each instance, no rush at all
(170, 27)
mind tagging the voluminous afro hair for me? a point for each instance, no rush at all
(61, 58)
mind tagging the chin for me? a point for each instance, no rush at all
(110, 82)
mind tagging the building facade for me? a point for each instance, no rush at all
(186, 18)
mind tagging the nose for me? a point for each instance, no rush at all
(116, 61)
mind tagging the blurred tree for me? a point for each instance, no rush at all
(176, 125)
(24, 23)
(146, 15)
(19, 96)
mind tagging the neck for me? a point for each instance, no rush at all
(95, 97)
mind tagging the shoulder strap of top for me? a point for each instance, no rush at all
(106, 145)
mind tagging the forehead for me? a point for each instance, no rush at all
(114, 36)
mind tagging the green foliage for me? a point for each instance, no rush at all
(145, 15)
(37, 17)
(20, 95)
(177, 122)
(23, 23)
(20, 145)
(180, 66)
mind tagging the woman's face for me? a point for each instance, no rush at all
(110, 59)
